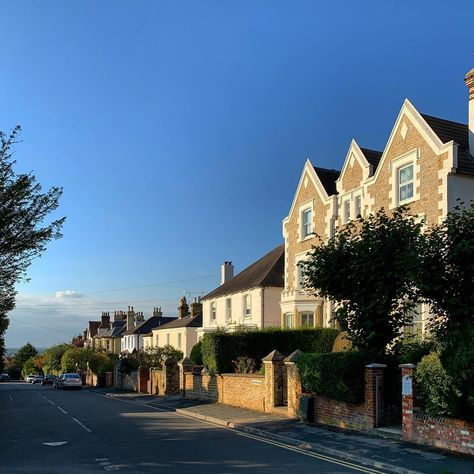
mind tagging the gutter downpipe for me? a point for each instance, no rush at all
(263, 307)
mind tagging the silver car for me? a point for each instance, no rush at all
(69, 381)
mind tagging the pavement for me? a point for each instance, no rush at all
(43, 430)
(379, 451)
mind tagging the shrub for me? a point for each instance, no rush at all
(436, 386)
(336, 375)
(196, 353)
(148, 358)
(219, 348)
(410, 350)
(244, 365)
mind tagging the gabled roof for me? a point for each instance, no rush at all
(116, 330)
(265, 272)
(93, 327)
(146, 326)
(372, 156)
(447, 131)
(328, 179)
(186, 322)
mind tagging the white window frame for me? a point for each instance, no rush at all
(307, 314)
(346, 210)
(247, 306)
(406, 183)
(288, 317)
(179, 340)
(228, 309)
(213, 314)
(306, 227)
(410, 158)
(303, 208)
(357, 197)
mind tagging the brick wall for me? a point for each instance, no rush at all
(129, 381)
(245, 391)
(345, 415)
(157, 382)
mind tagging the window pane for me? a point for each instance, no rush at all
(306, 220)
(406, 191)
(406, 174)
(307, 320)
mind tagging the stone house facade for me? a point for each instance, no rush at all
(426, 164)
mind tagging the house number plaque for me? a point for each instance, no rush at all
(407, 385)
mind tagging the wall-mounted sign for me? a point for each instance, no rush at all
(407, 385)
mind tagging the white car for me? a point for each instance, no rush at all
(30, 378)
(69, 381)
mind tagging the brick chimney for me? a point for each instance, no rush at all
(130, 318)
(227, 272)
(196, 307)
(183, 308)
(105, 320)
(469, 79)
(139, 318)
(157, 312)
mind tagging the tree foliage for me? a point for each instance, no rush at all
(446, 278)
(23, 233)
(76, 358)
(28, 351)
(151, 357)
(53, 356)
(369, 269)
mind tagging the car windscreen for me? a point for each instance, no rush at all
(72, 376)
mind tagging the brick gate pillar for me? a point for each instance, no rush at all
(185, 365)
(274, 369)
(293, 384)
(171, 376)
(407, 399)
(374, 405)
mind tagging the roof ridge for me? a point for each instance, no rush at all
(443, 119)
(326, 169)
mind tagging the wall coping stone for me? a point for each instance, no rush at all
(274, 356)
(407, 366)
(293, 357)
(252, 376)
(376, 366)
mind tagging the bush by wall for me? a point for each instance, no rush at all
(196, 353)
(219, 348)
(337, 375)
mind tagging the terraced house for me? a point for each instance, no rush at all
(427, 164)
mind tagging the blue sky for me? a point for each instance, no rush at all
(179, 129)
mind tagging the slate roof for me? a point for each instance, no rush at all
(186, 322)
(448, 130)
(146, 326)
(328, 179)
(265, 272)
(116, 330)
(372, 156)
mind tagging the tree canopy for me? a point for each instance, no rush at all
(23, 233)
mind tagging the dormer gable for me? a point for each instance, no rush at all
(356, 168)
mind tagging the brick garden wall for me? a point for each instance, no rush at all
(245, 391)
(345, 415)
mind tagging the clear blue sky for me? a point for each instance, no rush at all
(179, 129)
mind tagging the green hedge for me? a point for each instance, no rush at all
(219, 348)
(337, 375)
(196, 353)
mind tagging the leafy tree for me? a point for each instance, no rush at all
(53, 357)
(446, 274)
(369, 270)
(23, 236)
(152, 357)
(24, 353)
(102, 362)
(76, 358)
(31, 366)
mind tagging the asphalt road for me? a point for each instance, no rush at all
(46, 430)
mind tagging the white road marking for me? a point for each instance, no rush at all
(61, 409)
(55, 443)
(101, 459)
(112, 468)
(105, 463)
(52, 403)
(11, 398)
(83, 426)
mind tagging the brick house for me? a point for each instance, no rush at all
(250, 299)
(427, 164)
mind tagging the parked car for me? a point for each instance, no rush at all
(38, 379)
(48, 379)
(30, 378)
(4, 378)
(57, 381)
(69, 381)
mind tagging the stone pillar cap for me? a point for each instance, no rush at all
(376, 366)
(274, 356)
(293, 357)
(186, 361)
(407, 366)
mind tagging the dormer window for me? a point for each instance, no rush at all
(405, 183)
